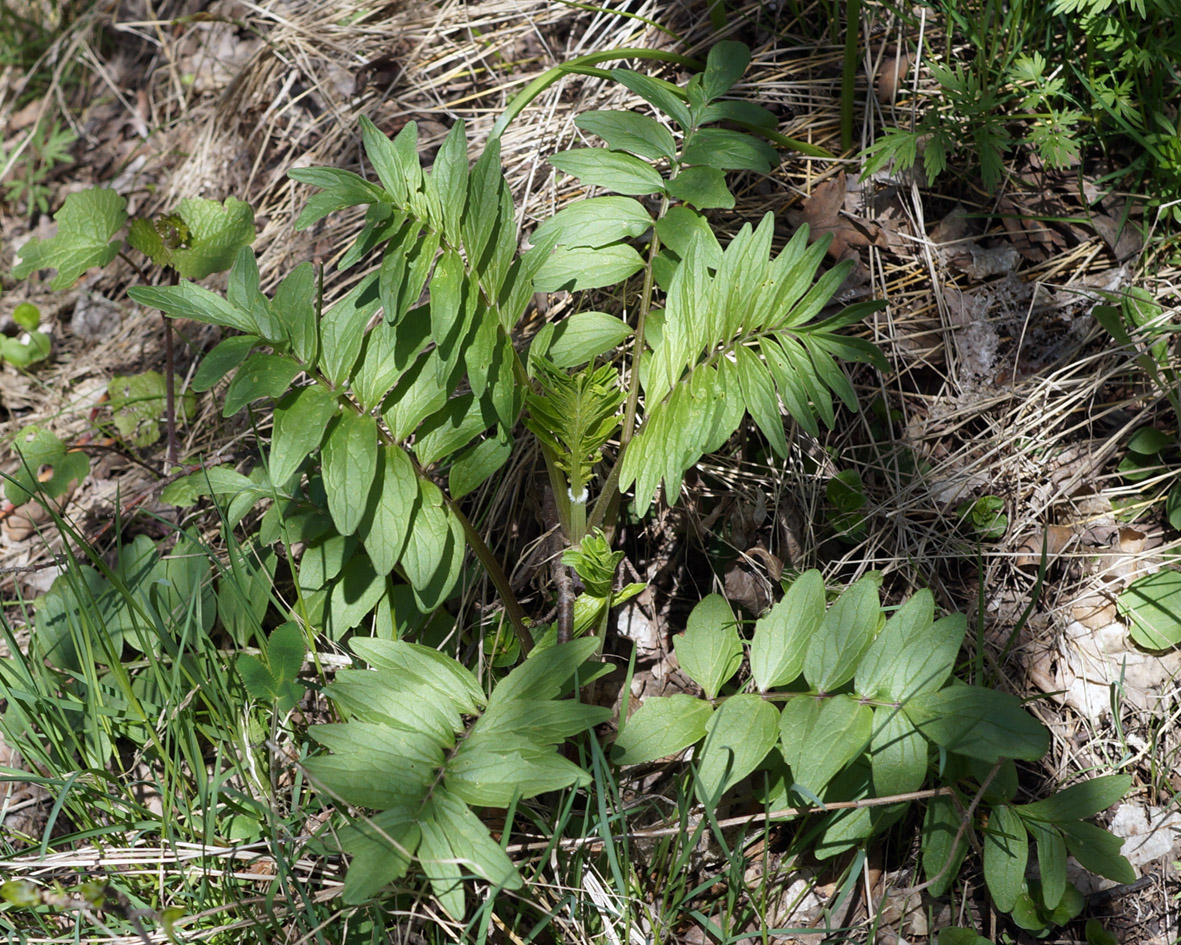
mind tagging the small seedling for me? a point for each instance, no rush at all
(985, 517)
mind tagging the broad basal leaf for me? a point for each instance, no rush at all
(709, 650)
(43, 466)
(1152, 604)
(980, 723)
(85, 224)
(782, 635)
(611, 170)
(848, 629)
(662, 726)
(350, 464)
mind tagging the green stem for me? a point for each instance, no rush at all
(609, 497)
(504, 587)
(582, 65)
(848, 76)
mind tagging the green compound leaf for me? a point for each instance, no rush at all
(1051, 860)
(941, 826)
(628, 131)
(611, 170)
(738, 737)
(724, 66)
(45, 466)
(662, 726)
(199, 238)
(912, 654)
(702, 187)
(138, 403)
(1079, 800)
(977, 722)
(85, 224)
(275, 680)
(386, 524)
(350, 464)
(709, 650)
(433, 555)
(583, 268)
(664, 96)
(1098, 851)
(782, 635)
(226, 355)
(580, 338)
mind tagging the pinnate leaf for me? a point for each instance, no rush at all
(912, 654)
(301, 420)
(821, 736)
(386, 525)
(628, 131)
(1006, 852)
(845, 634)
(980, 723)
(595, 222)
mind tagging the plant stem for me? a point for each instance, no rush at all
(500, 581)
(609, 498)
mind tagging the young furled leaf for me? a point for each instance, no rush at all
(198, 238)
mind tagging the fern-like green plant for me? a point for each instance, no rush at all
(421, 742)
(390, 406)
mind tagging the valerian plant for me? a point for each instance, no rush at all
(397, 400)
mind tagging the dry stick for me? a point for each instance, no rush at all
(959, 834)
(575, 843)
(561, 576)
